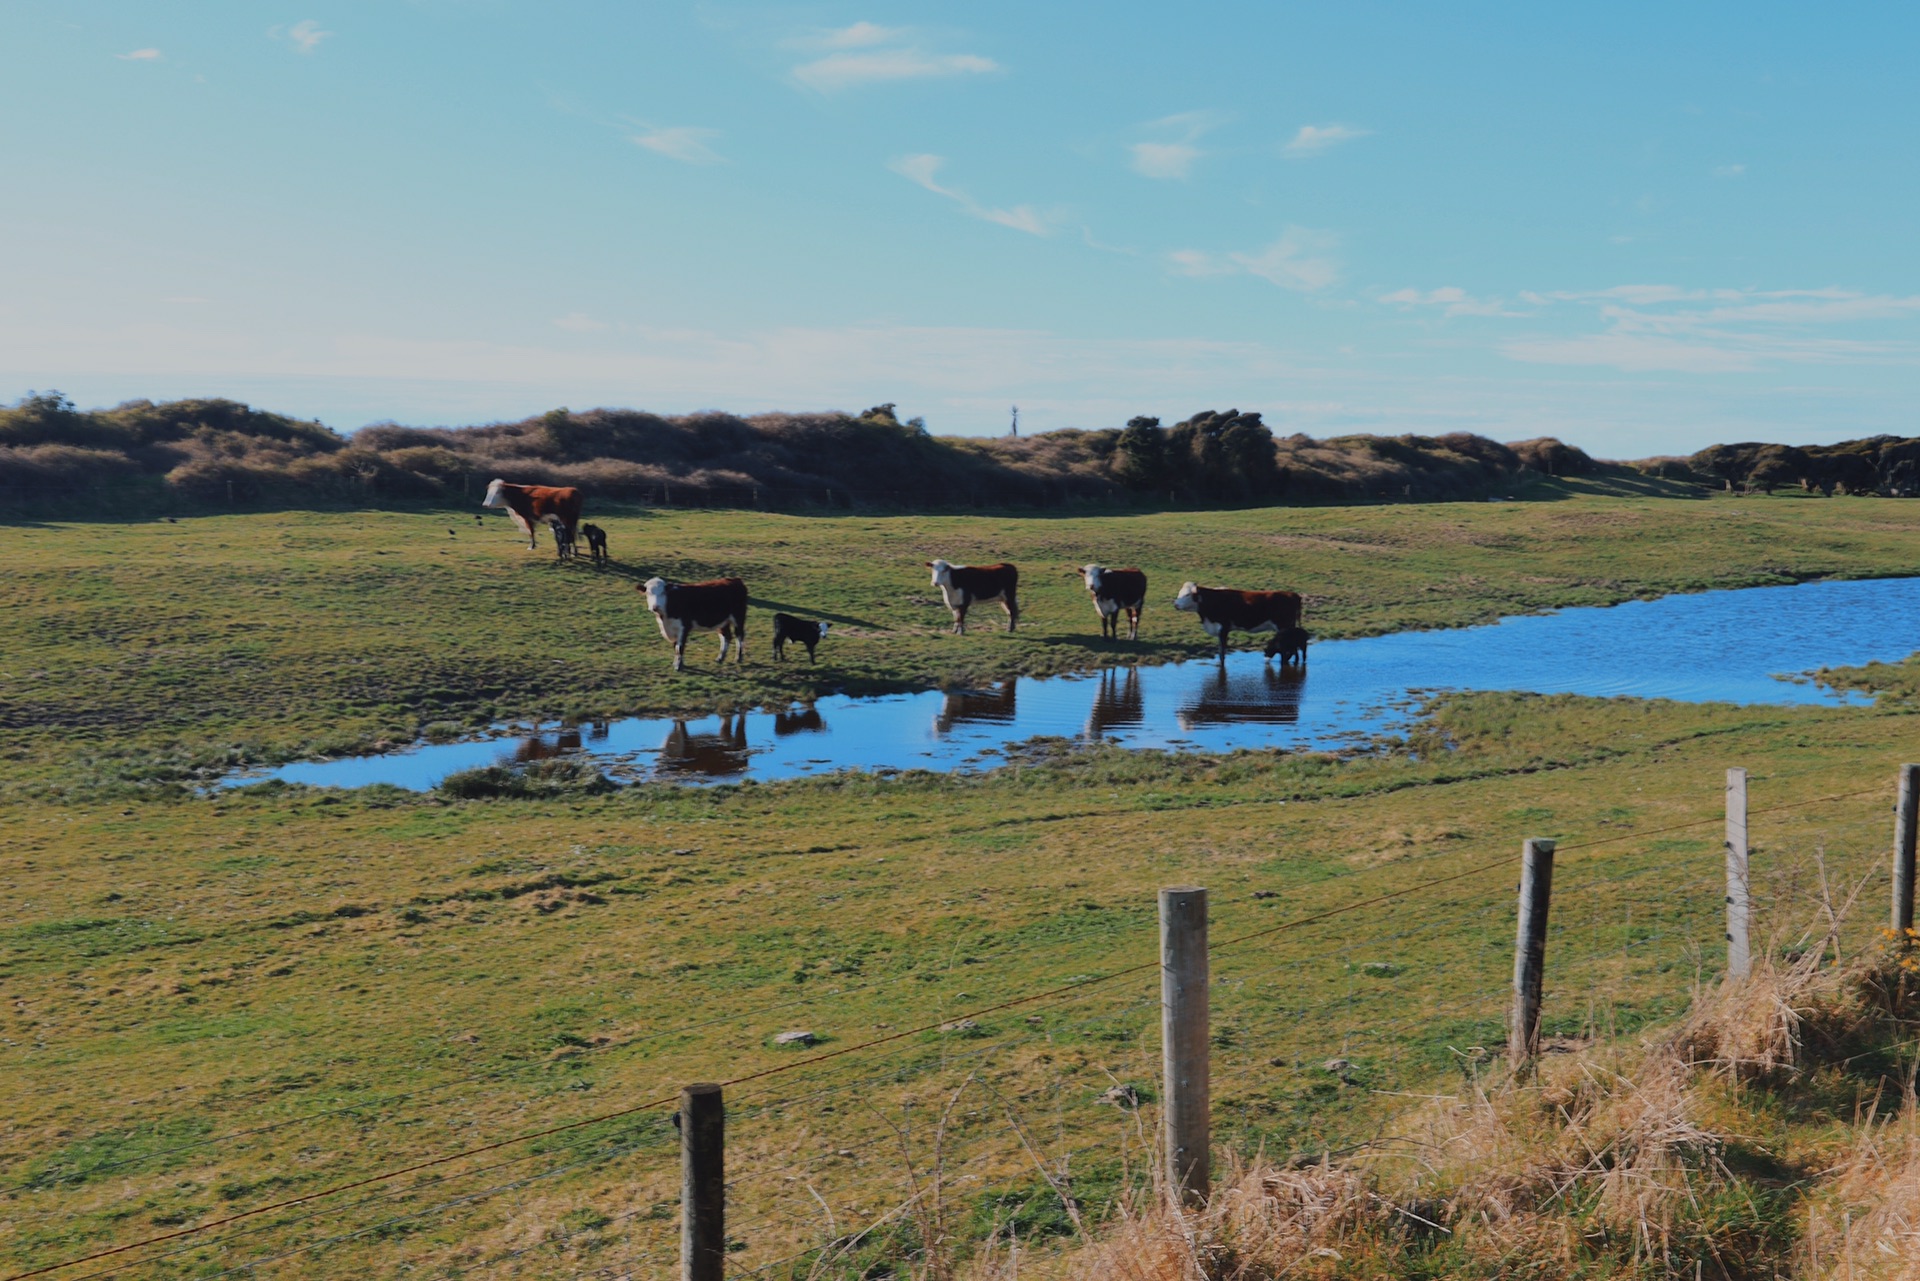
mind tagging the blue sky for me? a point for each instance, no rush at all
(1640, 227)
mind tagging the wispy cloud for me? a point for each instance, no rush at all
(1170, 153)
(1729, 171)
(925, 169)
(304, 35)
(1301, 259)
(1708, 331)
(867, 53)
(140, 55)
(684, 143)
(1314, 139)
(1450, 299)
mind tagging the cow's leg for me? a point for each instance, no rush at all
(960, 619)
(726, 639)
(680, 650)
(1133, 625)
(1224, 633)
(1012, 607)
(740, 643)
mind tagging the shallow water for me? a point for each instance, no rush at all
(1728, 646)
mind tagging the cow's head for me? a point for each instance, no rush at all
(1093, 574)
(942, 573)
(824, 629)
(494, 498)
(1189, 598)
(656, 590)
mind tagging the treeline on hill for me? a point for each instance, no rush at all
(221, 452)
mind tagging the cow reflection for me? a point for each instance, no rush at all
(565, 743)
(801, 720)
(599, 731)
(977, 706)
(716, 754)
(1118, 702)
(1266, 694)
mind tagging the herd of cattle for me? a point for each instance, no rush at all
(720, 605)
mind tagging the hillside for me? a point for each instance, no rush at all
(218, 452)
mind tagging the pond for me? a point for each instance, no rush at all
(1727, 646)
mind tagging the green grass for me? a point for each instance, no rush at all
(361, 980)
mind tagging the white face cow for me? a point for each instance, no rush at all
(942, 574)
(1188, 601)
(656, 590)
(1093, 574)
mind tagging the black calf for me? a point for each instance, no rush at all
(1289, 644)
(802, 631)
(596, 543)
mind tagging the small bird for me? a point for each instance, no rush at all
(451, 534)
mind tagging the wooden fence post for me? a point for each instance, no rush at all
(703, 1184)
(1530, 954)
(1186, 1100)
(1739, 886)
(1903, 836)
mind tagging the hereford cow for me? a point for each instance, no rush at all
(686, 608)
(801, 631)
(1224, 611)
(1115, 590)
(534, 505)
(966, 585)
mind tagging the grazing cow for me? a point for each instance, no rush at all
(596, 543)
(966, 585)
(801, 631)
(685, 608)
(1115, 590)
(1290, 645)
(1224, 611)
(534, 505)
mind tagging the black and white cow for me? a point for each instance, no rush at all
(1114, 591)
(682, 609)
(963, 586)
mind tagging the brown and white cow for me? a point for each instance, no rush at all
(1224, 610)
(534, 505)
(963, 586)
(1115, 590)
(719, 605)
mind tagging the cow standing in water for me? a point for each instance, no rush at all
(534, 505)
(1224, 610)
(1115, 590)
(685, 608)
(963, 586)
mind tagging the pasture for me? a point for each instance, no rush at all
(216, 1003)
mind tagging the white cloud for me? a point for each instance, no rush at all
(861, 35)
(140, 55)
(1451, 299)
(924, 170)
(305, 35)
(1164, 159)
(578, 322)
(1728, 171)
(1172, 151)
(1314, 139)
(845, 70)
(679, 142)
(1300, 259)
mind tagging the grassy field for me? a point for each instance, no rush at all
(215, 1004)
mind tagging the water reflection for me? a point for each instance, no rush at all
(800, 720)
(1266, 695)
(1118, 702)
(977, 706)
(600, 731)
(538, 748)
(714, 755)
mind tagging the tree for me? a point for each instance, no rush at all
(1141, 461)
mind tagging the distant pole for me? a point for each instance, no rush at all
(1183, 1039)
(1903, 840)
(1530, 955)
(703, 1184)
(1739, 885)
(1015, 429)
